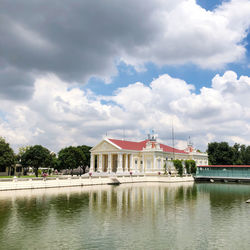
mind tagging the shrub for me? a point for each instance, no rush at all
(192, 167)
(178, 166)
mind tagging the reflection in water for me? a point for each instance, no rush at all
(132, 216)
(5, 213)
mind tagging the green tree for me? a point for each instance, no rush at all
(243, 154)
(220, 153)
(71, 157)
(21, 152)
(192, 166)
(237, 159)
(7, 156)
(247, 156)
(55, 161)
(36, 156)
(187, 166)
(179, 167)
(85, 150)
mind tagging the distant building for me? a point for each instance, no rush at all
(14, 170)
(111, 155)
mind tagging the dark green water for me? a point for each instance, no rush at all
(136, 216)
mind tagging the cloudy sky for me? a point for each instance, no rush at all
(73, 71)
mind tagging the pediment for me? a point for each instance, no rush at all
(105, 146)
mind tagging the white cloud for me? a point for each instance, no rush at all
(189, 33)
(58, 116)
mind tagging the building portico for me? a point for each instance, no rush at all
(110, 162)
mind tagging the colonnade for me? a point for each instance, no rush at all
(124, 162)
(111, 162)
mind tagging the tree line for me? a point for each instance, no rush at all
(38, 156)
(221, 153)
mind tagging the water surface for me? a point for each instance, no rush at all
(129, 216)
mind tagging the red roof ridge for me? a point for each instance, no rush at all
(138, 146)
(111, 139)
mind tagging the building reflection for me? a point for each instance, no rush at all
(125, 200)
(5, 214)
(101, 202)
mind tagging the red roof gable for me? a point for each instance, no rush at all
(138, 146)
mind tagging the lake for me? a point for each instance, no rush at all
(129, 216)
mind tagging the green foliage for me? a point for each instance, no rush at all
(85, 150)
(7, 156)
(220, 153)
(55, 161)
(21, 152)
(36, 156)
(187, 166)
(178, 166)
(71, 157)
(165, 168)
(192, 166)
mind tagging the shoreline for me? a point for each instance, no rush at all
(40, 183)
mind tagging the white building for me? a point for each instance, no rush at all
(118, 156)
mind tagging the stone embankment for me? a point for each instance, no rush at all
(50, 182)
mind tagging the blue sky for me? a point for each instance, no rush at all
(115, 66)
(190, 73)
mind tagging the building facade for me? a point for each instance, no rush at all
(119, 156)
(13, 170)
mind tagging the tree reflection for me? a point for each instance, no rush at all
(191, 193)
(68, 206)
(5, 213)
(179, 194)
(225, 195)
(34, 210)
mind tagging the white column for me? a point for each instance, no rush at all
(162, 164)
(100, 163)
(131, 162)
(126, 163)
(109, 163)
(154, 164)
(143, 163)
(136, 166)
(92, 162)
(120, 160)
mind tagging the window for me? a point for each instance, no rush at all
(148, 164)
(141, 162)
(19, 169)
(135, 161)
(159, 164)
(2, 169)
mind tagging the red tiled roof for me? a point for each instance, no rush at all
(138, 146)
(225, 166)
(130, 145)
(170, 149)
